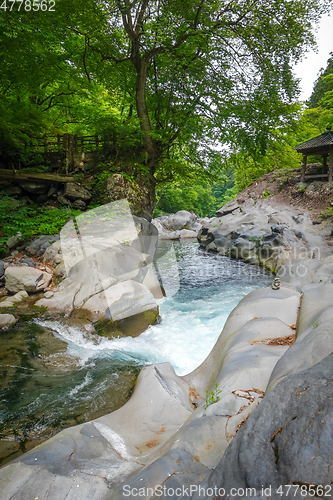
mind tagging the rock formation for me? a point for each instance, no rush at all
(271, 424)
(261, 234)
(177, 226)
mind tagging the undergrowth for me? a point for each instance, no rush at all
(30, 220)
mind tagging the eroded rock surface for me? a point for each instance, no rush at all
(286, 440)
(166, 434)
(180, 225)
(261, 234)
(105, 261)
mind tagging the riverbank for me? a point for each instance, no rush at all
(67, 376)
(168, 435)
(174, 421)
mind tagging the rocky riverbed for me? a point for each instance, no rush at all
(269, 426)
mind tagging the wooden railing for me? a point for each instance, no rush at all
(67, 148)
(71, 142)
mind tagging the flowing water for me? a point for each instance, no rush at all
(54, 376)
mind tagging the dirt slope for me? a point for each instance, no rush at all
(283, 188)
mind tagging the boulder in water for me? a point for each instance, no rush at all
(177, 226)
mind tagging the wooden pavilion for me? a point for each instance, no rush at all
(320, 145)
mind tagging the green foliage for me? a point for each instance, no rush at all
(196, 197)
(328, 213)
(165, 82)
(212, 396)
(30, 220)
(322, 84)
(266, 194)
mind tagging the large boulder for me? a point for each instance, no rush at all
(117, 187)
(74, 191)
(106, 261)
(286, 441)
(26, 278)
(182, 224)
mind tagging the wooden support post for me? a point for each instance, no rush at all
(330, 165)
(324, 170)
(70, 154)
(303, 168)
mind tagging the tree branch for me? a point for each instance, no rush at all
(98, 51)
(139, 22)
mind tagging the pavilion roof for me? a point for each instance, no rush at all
(319, 144)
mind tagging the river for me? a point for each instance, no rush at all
(54, 376)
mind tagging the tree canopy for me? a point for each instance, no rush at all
(178, 78)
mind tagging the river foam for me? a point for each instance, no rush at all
(210, 286)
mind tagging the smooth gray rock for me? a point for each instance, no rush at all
(14, 299)
(287, 439)
(41, 243)
(183, 224)
(74, 191)
(228, 208)
(314, 335)
(176, 470)
(26, 278)
(2, 268)
(13, 241)
(301, 273)
(7, 319)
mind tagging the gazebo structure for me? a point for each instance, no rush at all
(320, 145)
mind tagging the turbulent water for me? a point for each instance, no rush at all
(53, 376)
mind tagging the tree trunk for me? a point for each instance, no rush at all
(149, 143)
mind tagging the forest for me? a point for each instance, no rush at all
(196, 97)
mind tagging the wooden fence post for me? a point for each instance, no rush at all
(330, 165)
(303, 168)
